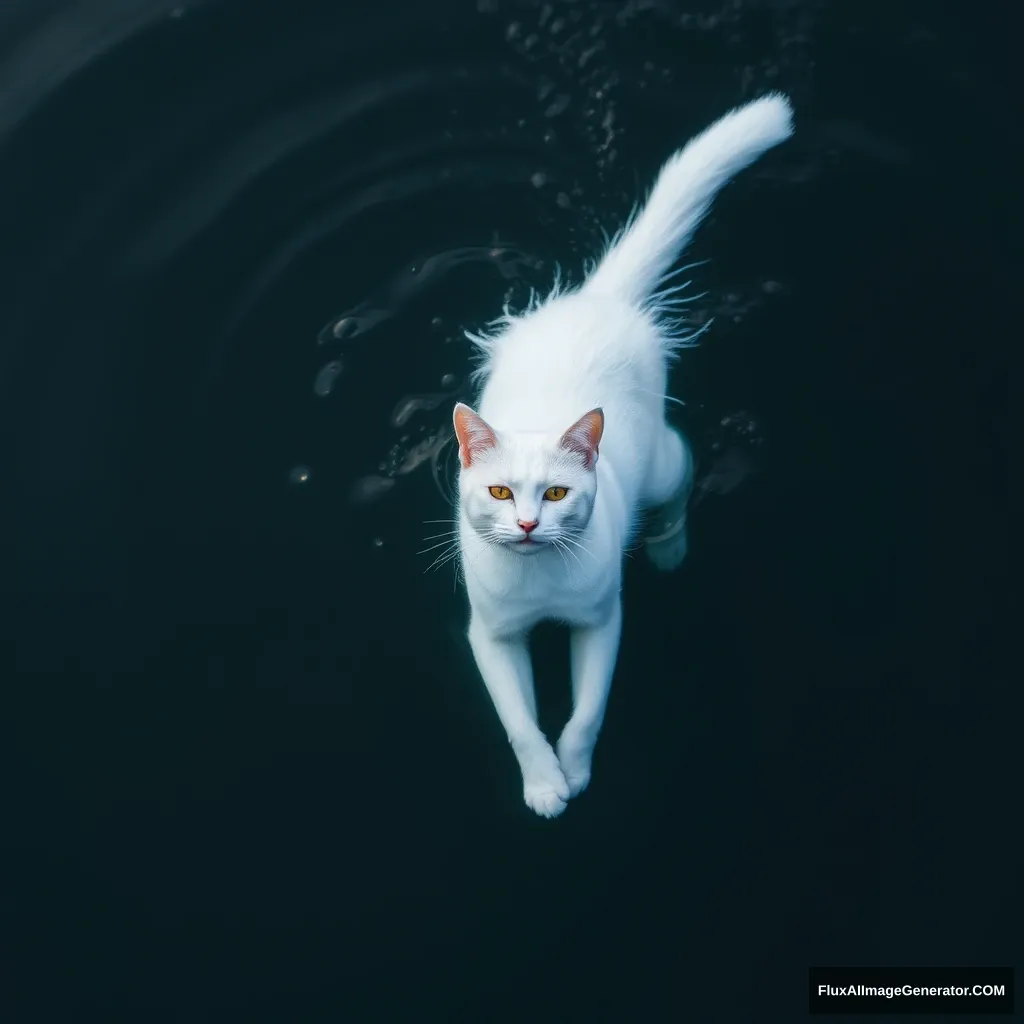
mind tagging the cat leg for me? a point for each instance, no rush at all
(669, 487)
(594, 650)
(504, 664)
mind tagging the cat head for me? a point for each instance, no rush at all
(527, 491)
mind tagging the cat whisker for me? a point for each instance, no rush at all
(445, 556)
(579, 544)
(560, 546)
(434, 547)
(667, 398)
(557, 545)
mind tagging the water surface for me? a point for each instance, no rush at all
(255, 776)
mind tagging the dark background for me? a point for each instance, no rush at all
(252, 774)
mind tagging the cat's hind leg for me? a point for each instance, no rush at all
(669, 487)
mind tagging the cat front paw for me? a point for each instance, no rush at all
(574, 756)
(544, 787)
(545, 800)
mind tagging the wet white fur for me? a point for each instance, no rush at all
(607, 344)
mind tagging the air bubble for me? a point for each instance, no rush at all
(559, 106)
(299, 474)
(325, 379)
(369, 489)
(344, 328)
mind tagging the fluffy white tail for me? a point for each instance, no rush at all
(642, 253)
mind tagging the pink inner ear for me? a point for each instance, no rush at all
(584, 436)
(474, 435)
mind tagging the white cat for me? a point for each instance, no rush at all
(570, 446)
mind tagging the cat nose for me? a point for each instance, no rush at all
(527, 527)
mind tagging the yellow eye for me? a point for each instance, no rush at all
(499, 492)
(555, 493)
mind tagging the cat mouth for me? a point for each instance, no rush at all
(528, 542)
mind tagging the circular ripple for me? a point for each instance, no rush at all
(261, 264)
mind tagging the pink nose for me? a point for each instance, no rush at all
(527, 527)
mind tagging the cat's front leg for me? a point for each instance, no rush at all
(504, 663)
(594, 652)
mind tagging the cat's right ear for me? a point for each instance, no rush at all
(475, 436)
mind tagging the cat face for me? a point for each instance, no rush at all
(527, 491)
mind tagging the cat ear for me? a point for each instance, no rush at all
(584, 436)
(475, 436)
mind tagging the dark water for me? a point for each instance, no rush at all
(251, 772)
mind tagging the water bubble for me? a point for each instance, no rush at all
(299, 474)
(563, 200)
(368, 489)
(771, 287)
(344, 328)
(586, 55)
(730, 469)
(559, 106)
(408, 406)
(449, 380)
(422, 451)
(539, 179)
(326, 377)
(377, 542)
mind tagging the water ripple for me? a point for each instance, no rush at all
(288, 253)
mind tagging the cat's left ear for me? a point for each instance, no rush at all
(584, 437)
(474, 434)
